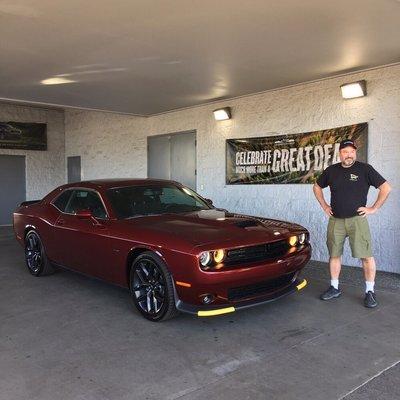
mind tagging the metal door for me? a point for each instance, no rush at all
(159, 158)
(183, 159)
(12, 186)
(173, 157)
(74, 169)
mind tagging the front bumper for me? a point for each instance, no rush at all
(202, 311)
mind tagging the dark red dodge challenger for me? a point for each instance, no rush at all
(168, 245)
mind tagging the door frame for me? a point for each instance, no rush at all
(175, 134)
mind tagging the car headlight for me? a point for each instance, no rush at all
(218, 256)
(205, 258)
(302, 238)
(293, 240)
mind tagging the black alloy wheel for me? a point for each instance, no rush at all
(35, 256)
(151, 288)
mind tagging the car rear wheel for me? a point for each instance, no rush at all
(35, 256)
(152, 288)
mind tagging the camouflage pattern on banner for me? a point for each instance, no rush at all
(297, 158)
(23, 136)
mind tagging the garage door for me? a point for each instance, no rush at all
(173, 157)
(12, 186)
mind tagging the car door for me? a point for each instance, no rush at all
(84, 244)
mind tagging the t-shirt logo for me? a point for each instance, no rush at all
(353, 177)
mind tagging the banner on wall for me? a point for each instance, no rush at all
(296, 158)
(23, 136)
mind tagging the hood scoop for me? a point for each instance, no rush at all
(247, 223)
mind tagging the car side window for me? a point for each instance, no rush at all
(62, 200)
(86, 200)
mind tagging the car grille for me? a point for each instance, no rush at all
(260, 288)
(256, 253)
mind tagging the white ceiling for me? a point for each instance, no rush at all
(146, 57)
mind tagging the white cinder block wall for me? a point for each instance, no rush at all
(44, 169)
(110, 145)
(115, 145)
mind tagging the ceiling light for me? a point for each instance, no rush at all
(222, 114)
(56, 81)
(355, 89)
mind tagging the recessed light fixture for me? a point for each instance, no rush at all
(354, 89)
(56, 81)
(222, 114)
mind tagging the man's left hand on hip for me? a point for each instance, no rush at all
(364, 211)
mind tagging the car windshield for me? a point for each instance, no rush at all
(134, 201)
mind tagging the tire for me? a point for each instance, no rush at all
(151, 288)
(35, 257)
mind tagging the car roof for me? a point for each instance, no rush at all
(118, 182)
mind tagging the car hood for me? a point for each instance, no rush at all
(213, 228)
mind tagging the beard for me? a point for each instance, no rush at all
(348, 161)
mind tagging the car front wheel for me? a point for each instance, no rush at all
(152, 288)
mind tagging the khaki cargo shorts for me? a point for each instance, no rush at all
(357, 229)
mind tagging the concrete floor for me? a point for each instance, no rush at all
(70, 337)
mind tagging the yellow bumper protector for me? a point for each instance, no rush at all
(227, 310)
(210, 313)
(184, 284)
(301, 285)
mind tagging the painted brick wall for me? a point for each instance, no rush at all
(110, 145)
(115, 145)
(44, 169)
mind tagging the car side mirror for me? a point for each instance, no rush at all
(84, 214)
(209, 201)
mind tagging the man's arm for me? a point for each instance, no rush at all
(319, 194)
(384, 191)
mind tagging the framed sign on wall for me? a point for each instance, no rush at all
(23, 136)
(295, 158)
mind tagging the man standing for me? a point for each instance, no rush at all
(349, 182)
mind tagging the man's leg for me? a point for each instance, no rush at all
(336, 236)
(334, 268)
(369, 273)
(335, 265)
(361, 247)
(369, 266)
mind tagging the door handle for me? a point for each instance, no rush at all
(61, 221)
(98, 224)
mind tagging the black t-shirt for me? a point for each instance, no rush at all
(349, 186)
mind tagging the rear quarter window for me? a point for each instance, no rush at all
(62, 200)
